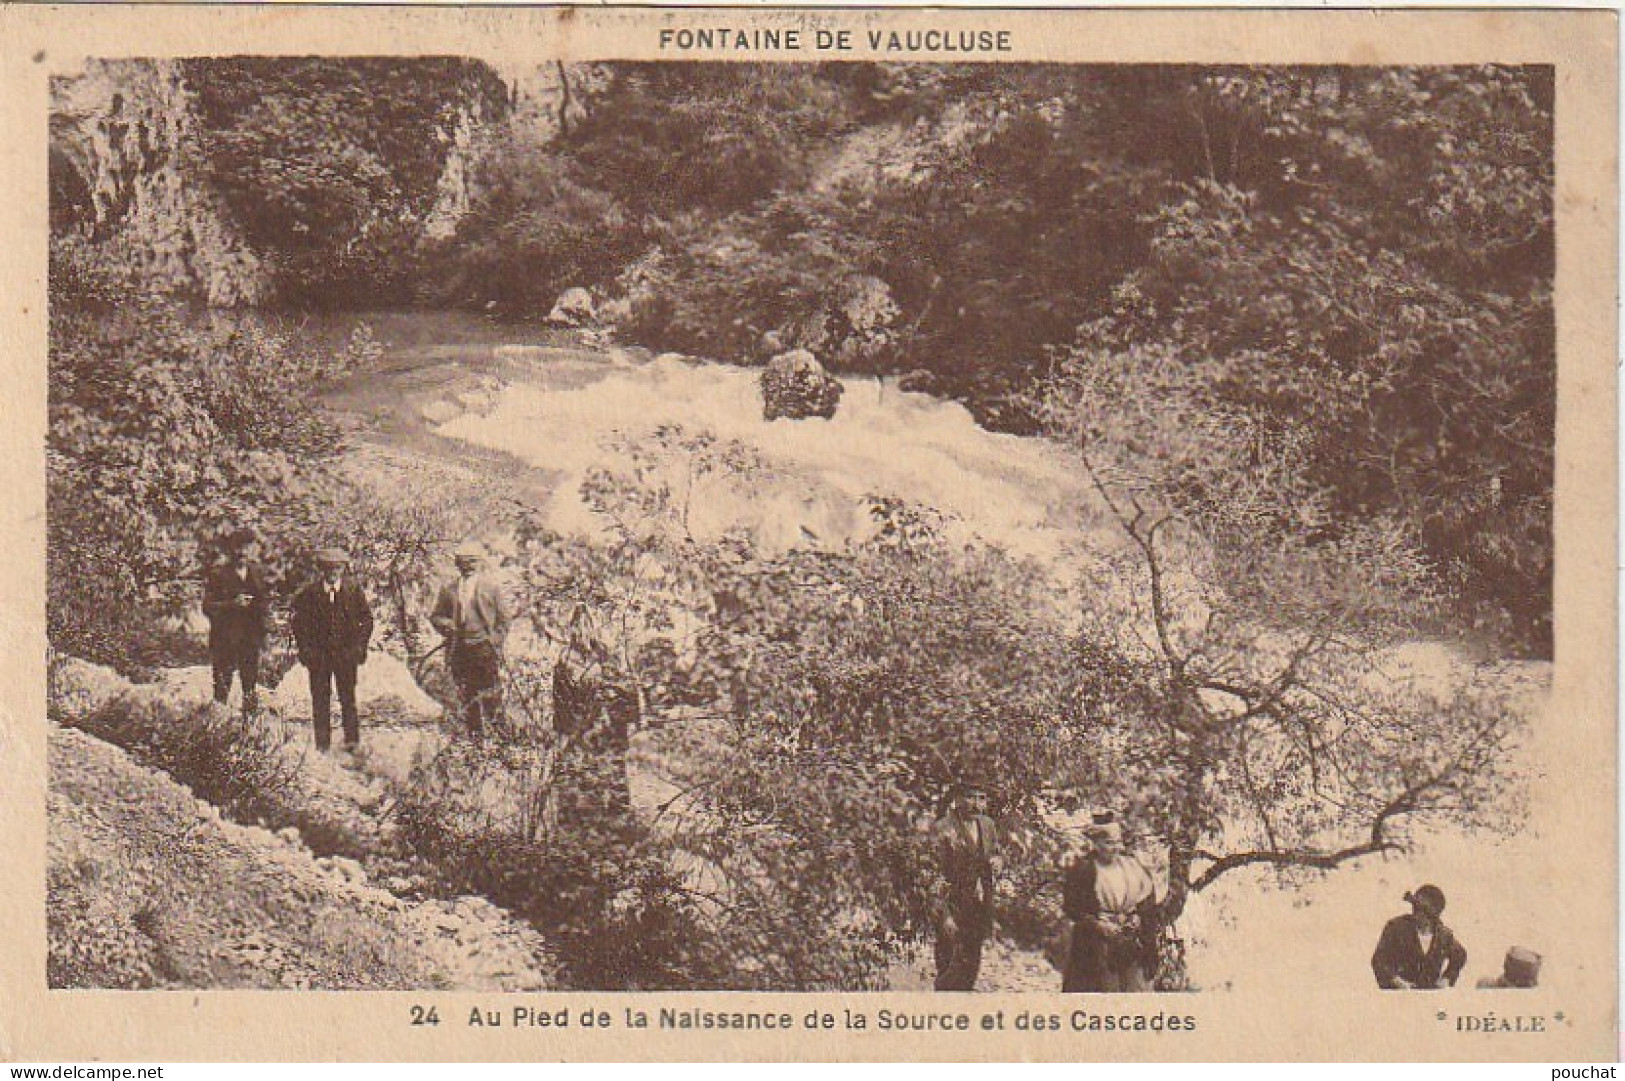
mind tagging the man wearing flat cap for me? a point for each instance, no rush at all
(1112, 903)
(472, 615)
(1417, 951)
(236, 601)
(332, 626)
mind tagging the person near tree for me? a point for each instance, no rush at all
(595, 712)
(236, 602)
(332, 627)
(472, 615)
(1417, 951)
(1111, 901)
(965, 843)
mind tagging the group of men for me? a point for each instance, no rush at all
(1113, 931)
(332, 625)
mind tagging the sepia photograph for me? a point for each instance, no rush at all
(528, 522)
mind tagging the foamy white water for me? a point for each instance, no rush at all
(1017, 493)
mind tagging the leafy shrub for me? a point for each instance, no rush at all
(600, 888)
(666, 138)
(239, 764)
(534, 229)
(167, 428)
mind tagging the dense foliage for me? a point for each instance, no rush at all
(331, 166)
(168, 429)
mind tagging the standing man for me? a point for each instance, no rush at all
(472, 615)
(332, 625)
(1418, 952)
(1112, 903)
(236, 601)
(965, 844)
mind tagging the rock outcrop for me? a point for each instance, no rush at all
(574, 308)
(148, 887)
(795, 385)
(127, 133)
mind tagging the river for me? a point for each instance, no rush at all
(562, 407)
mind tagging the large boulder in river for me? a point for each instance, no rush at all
(574, 308)
(795, 385)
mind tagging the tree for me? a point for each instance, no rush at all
(1361, 262)
(812, 708)
(166, 430)
(1232, 688)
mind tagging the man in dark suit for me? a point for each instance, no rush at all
(1418, 952)
(332, 625)
(235, 600)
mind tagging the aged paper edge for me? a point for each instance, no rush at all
(1340, 1022)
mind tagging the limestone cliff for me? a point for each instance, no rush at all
(124, 138)
(245, 180)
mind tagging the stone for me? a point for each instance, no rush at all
(574, 308)
(439, 411)
(918, 381)
(191, 686)
(75, 688)
(795, 385)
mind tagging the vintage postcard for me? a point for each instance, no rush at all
(555, 533)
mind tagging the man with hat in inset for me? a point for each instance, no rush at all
(472, 615)
(1520, 969)
(1112, 903)
(236, 602)
(965, 842)
(1418, 952)
(332, 626)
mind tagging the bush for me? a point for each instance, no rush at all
(667, 138)
(534, 230)
(167, 428)
(601, 889)
(239, 764)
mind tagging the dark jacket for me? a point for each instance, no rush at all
(1399, 956)
(964, 848)
(233, 627)
(331, 634)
